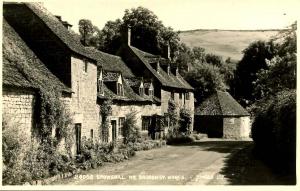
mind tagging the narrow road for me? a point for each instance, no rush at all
(196, 163)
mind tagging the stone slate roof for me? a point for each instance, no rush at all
(110, 62)
(220, 104)
(162, 76)
(21, 67)
(56, 27)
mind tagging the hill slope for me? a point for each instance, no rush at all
(226, 43)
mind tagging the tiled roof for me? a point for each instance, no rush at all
(162, 76)
(57, 28)
(110, 76)
(221, 104)
(21, 67)
(111, 62)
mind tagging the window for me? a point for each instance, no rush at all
(172, 95)
(187, 96)
(150, 92)
(92, 134)
(85, 65)
(180, 95)
(146, 122)
(100, 87)
(141, 91)
(120, 90)
(121, 126)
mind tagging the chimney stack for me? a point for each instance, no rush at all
(65, 23)
(168, 52)
(128, 35)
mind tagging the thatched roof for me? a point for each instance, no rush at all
(111, 62)
(15, 11)
(162, 76)
(220, 104)
(21, 67)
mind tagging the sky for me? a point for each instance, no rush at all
(185, 14)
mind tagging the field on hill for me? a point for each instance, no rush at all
(226, 43)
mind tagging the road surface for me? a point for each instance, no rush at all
(199, 163)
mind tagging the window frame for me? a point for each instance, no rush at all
(121, 126)
(120, 89)
(187, 95)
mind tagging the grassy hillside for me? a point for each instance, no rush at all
(226, 43)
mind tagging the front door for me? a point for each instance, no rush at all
(78, 137)
(114, 130)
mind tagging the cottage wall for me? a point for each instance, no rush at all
(236, 127)
(18, 108)
(181, 103)
(84, 109)
(121, 109)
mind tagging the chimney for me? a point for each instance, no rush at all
(168, 69)
(177, 71)
(168, 52)
(128, 35)
(65, 23)
(157, 67)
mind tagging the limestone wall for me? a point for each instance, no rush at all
(236, 127)
(121, 109)
(18, 108)
(84, 109)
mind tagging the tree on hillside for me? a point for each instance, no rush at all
(280, 73)
(254, 59)
(214, 59)
(205, 78)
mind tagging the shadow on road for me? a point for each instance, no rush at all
(218, 146)
(243, 168)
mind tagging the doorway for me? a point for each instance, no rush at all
(114, 130)
(78, 137)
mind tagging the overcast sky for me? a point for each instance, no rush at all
(185, 14)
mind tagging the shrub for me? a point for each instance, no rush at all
(185, 121)
(179, 139)
(274, 131)
(131, 131)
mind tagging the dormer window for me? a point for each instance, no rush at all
(142, 89)
(150, 92)
(120, 89)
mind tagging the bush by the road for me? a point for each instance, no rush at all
(274, 131)
(179, 139)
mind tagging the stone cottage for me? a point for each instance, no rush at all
(161, 74)
(52, 42)
(220, 115)
(117, 83)
(23, 76)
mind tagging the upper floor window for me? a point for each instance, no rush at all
(100, 87)
(180, 95)
(172, 95)
(146, 123)
(85, 65)
(120, 89)
(187, 95)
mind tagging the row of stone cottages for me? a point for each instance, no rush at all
(135, 80)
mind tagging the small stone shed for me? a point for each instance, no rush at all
(221, 116)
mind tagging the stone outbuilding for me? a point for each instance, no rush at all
(221, 116)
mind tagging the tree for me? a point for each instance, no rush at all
(280, 73)
(148, 33)
(254, 59)
(205, 78)
(86, 30)
(214, 59)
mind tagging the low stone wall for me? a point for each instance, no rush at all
(18, 107)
